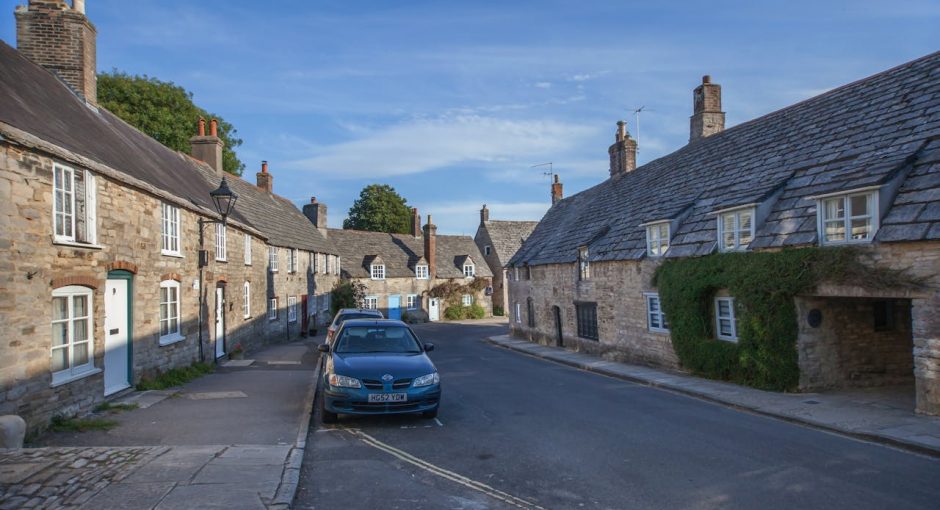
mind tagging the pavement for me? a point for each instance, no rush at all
(880, 415)
(231, 439)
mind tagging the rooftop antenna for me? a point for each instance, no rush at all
(550, 173)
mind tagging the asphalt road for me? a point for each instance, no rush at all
(520, 432)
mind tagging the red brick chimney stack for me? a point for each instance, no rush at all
(415, 222)
(430, 247)
(264, 179)
(622, 152)
(61, 39)
(707, 118)
(557, 192)
(208, 149)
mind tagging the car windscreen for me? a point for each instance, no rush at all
(347, 316)
(360, 339)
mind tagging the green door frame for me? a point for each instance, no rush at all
(120, 274)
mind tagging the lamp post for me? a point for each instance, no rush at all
(224, 200)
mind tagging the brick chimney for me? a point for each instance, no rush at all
(557, 193)
(622, 152)
(707, 117)
(484, 214)
(61, 39)
(430, 247)
(264, 179)
(415, 223)
(208, 148)
(316, 213)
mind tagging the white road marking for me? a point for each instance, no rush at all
(443, 473)
(439, 424)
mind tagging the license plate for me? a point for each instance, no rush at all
(388, 397)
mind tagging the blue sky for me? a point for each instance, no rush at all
(452, 102)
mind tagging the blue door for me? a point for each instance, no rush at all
(394, 307)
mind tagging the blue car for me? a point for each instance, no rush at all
(378, 367)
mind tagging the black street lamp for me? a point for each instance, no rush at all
(224, 199)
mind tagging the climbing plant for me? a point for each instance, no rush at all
(764, 285)
(451, 291)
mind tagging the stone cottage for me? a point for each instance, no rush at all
(858, 166)
(498, 241)
(111, 240)
(401, 271)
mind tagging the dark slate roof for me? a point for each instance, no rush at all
(401, 252)
(862, 134)
(507, 236)
(33, 100)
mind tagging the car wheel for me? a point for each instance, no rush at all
(430, 415)
(325, 415)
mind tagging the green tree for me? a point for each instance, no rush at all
(346, 294)
(379, 208)
(165, 112)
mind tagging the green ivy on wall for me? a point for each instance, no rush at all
(764, 285)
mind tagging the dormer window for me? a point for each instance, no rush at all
(735, 230)
(421, 271)
(848, 218)
(584, 265)
(469, 270)
(378, 271)
(657, 239)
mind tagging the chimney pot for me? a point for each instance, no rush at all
(706, 79)
(214, 128)
(264, 179)
(78, 6)
(557, 191)
(207, 149)
(622, 153)
(264, 167)
(313, 200)
(707, 118)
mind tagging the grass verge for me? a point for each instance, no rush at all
(112, 407)
(174, 377)
(63, 424)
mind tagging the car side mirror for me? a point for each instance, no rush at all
(323, 348)
(428, 347)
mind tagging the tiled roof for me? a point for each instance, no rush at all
(507, 236)
(34, 101)
(400, 253)
(862, 134)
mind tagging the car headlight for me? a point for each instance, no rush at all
(426, 380)
(344, 382)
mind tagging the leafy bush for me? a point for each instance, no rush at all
(346, 294)
(454, 313)
(475, 311)
(174, 377)
(498, 311)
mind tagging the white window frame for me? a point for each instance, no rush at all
(731, 318)
(291, 308)
(316, 262)
(871, 197)
(272, 309)
(421, 272)
(221, 244)
(736, 230)
(67, 200)
(173, 312)
(170, 230)
(370, 302)
(519, 313)
(326, 264)
(584, 264)
(292, 260)
(247, 249)
(411, 302)
(655, 317)
(272, 258)
(246, 300)
(72, 371)
(325, 303)
(469, 270)
(378, 271)
(656, 244)
(338, 266)
(466, 300)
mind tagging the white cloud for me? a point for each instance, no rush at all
(456, 218)
(421, 145)
(543, 84)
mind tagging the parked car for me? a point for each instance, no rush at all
(378, 367)
(345, 314)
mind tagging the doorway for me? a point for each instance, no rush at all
(219, 321)
(117, 328)
(394, 307)
(434, 309)
(559, 338)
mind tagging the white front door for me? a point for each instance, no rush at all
(219, 322)
(115, 337)
(434, 309)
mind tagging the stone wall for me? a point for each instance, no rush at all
(846, 350)
(617, 288)
(129, 239)
(405, 286)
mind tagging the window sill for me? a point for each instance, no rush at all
(658, 330)
(171, 339)
(75, 244)
(846, 243)
(65, 379)
(171, 254)
(222, 260)
(728, 339)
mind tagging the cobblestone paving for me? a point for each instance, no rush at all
(64, 477)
